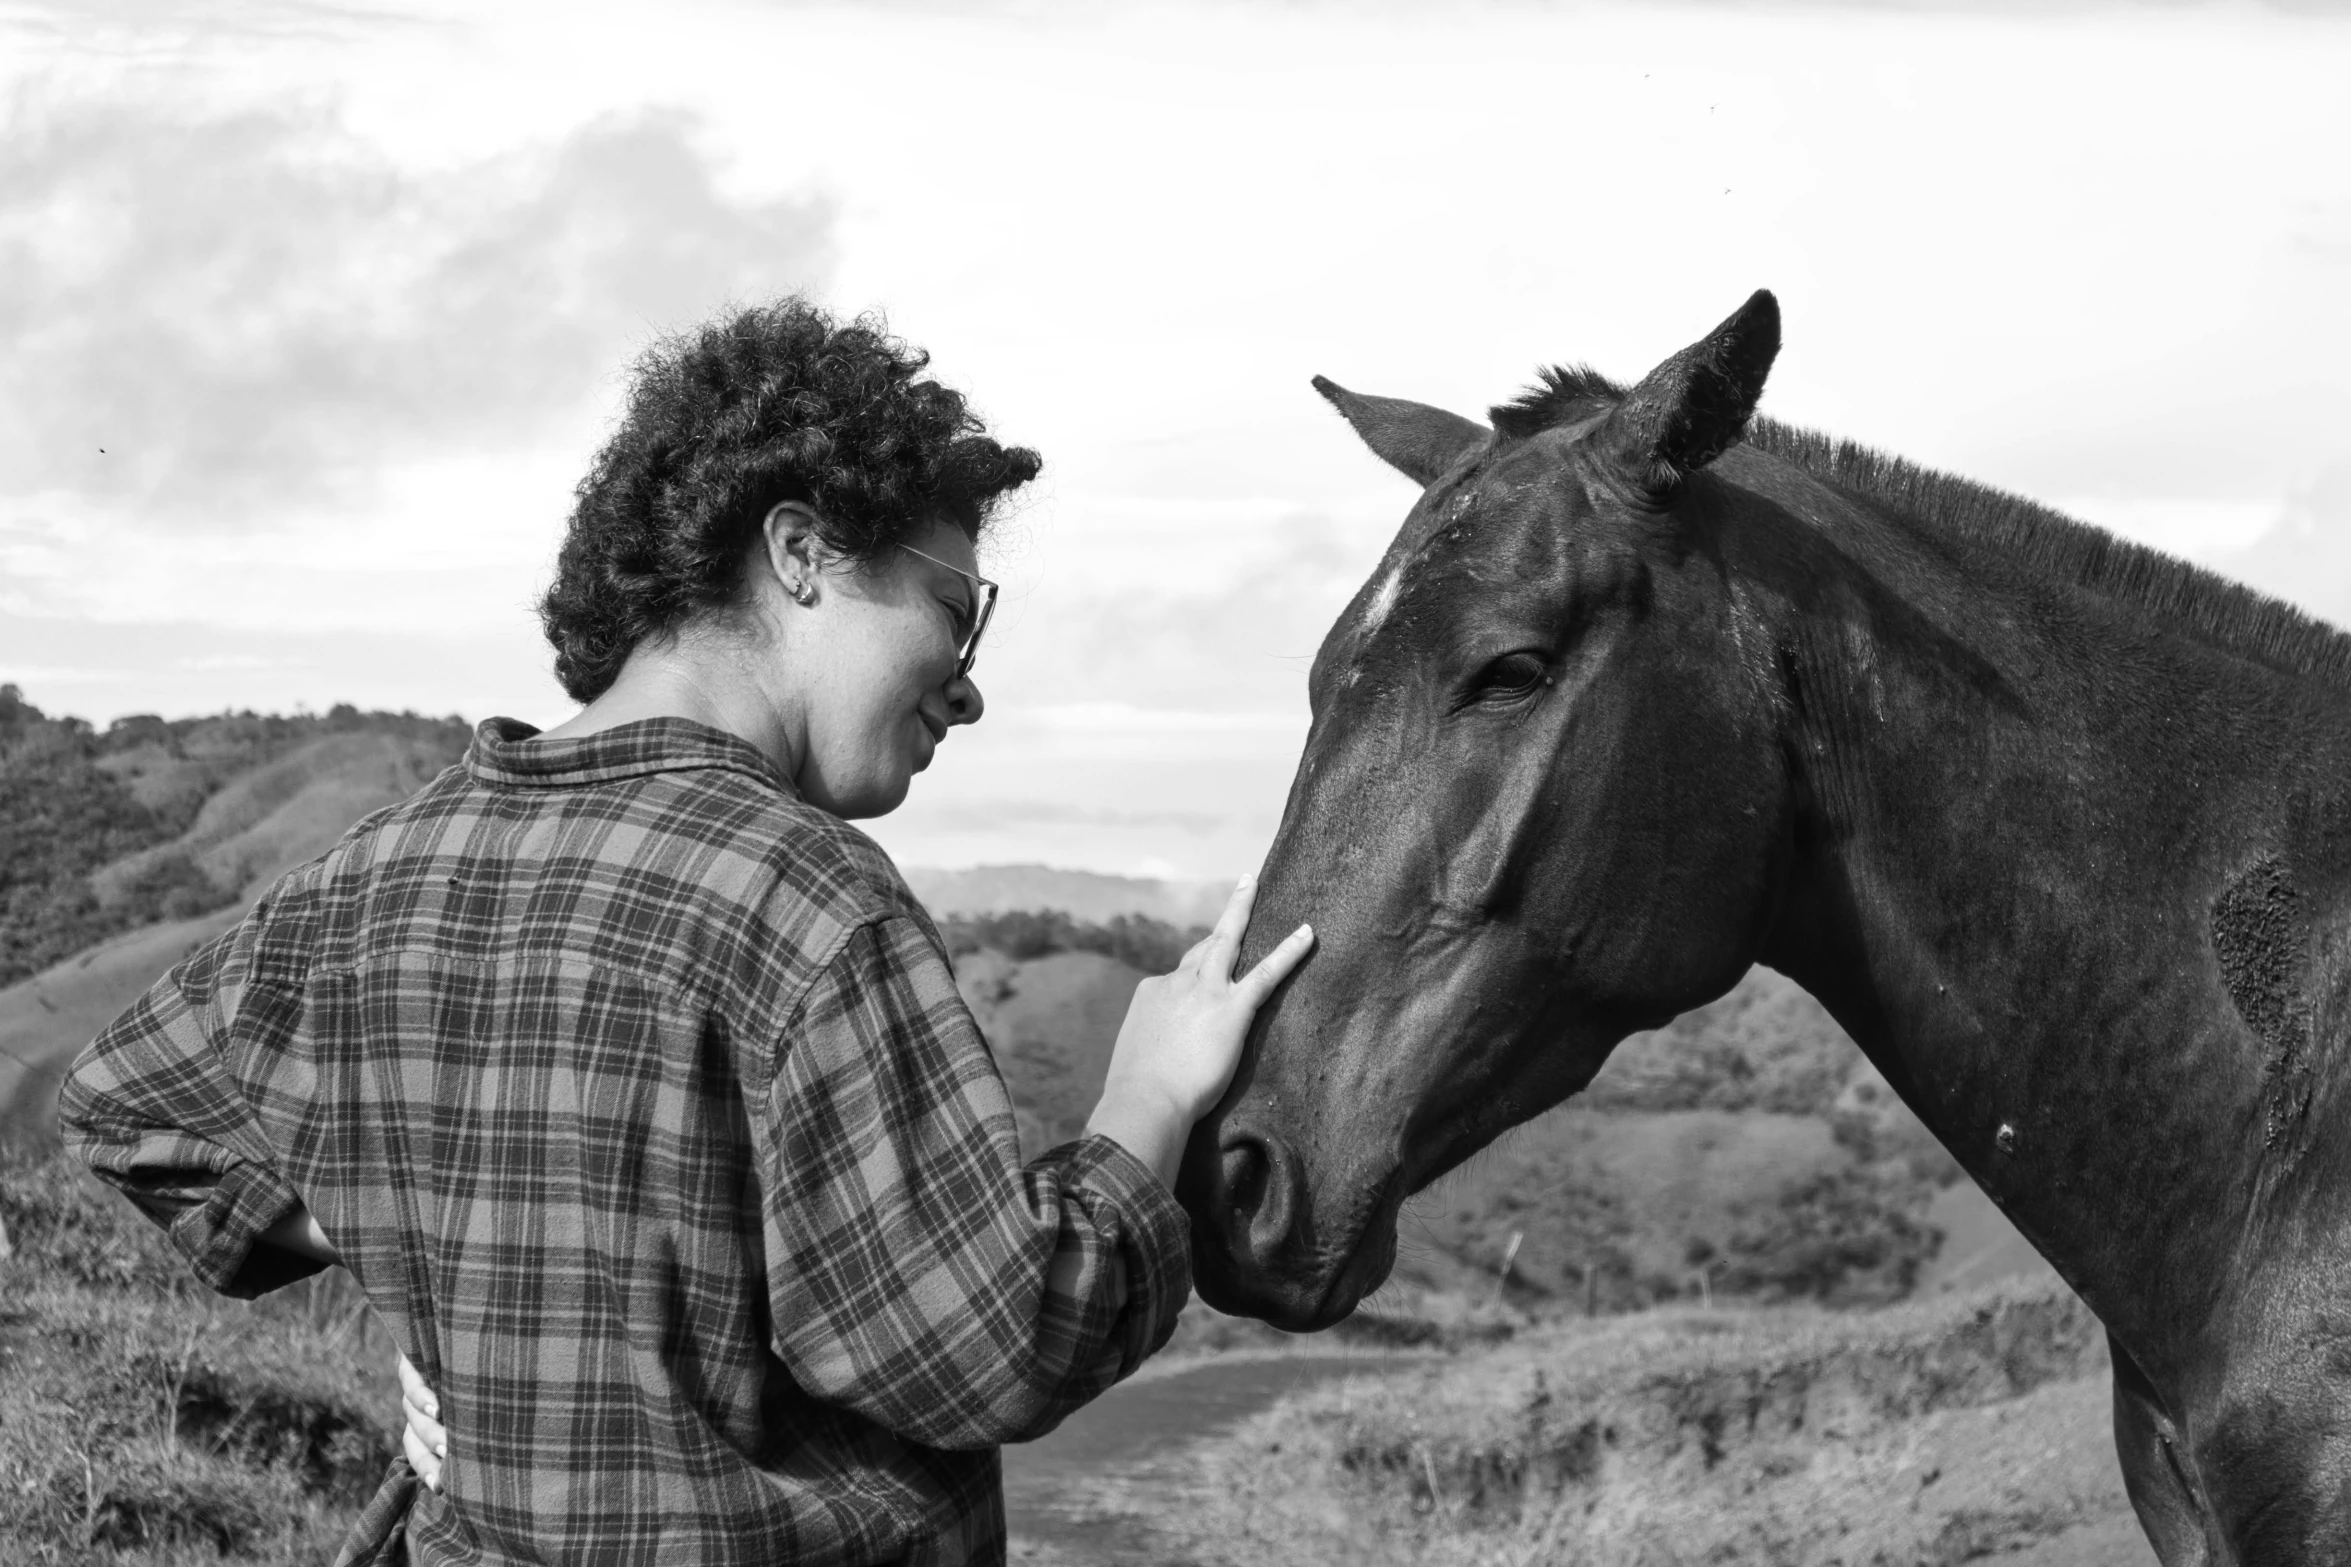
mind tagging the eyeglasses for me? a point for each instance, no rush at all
(983, 598)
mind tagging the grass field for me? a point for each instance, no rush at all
(144, 1420)
(1971, 1429)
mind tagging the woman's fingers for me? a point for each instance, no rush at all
(1254, 986)
(422, 1436)
(1224, 942)
(426, 1463)
(411, 1380)
(414, 1393)
(426, 1429)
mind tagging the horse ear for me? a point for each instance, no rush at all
(1695, 406)
(1416, 440)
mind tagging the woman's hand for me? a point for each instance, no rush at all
(1181, 1041)
(423, 1440)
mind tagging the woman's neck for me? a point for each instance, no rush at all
(690, 679)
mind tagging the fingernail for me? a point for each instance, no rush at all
(1304, 930)
(441, 1450)
(432, 1407)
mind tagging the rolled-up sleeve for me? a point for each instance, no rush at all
(152, 1109)
(919, 1274)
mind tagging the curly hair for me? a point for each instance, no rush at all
(777, 402)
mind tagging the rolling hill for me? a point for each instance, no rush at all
(45, 1020)
(126, 848)
(1746, 1148)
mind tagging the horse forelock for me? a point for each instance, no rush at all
(1563, 394)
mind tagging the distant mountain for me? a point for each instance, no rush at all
(1089, 895)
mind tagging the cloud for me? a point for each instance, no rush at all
(209, 318)
(2306, 558)
(1227, 622)
(1010, 814)
(148, 26)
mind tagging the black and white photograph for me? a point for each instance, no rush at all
(1175, 783)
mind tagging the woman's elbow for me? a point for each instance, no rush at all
(1018, 1420)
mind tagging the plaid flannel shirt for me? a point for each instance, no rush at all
(638, 1096)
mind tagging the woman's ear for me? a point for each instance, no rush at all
(788, 532)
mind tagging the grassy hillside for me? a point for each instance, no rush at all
(144, 1420)
(45, 1020)
(1973, 1428)
(1746, 1150)
(103, 831)
(122, 849)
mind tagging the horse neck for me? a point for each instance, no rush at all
(2018, 808)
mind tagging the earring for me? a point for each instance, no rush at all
(803, 594)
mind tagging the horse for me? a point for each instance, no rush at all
(1649, 689)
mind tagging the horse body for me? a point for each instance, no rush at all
(2059, 831)
(2076, 881)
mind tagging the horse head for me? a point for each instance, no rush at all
(1541, 806)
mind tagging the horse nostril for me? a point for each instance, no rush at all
(1259, 1181)
(1244, 1177)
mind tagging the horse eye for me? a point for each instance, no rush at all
(1513, 675)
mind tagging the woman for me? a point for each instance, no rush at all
(632, 1084)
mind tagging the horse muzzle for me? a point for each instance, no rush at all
(1256, 1246)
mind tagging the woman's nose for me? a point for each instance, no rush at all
(964, 702)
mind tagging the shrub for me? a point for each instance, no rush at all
(1138, 941)
(1843, 1237)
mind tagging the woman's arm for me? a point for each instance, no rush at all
(918, 1273)
(152, 1110)
(299, 1233)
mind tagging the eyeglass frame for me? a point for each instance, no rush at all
(983, 594)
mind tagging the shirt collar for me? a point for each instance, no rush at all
(508, 751)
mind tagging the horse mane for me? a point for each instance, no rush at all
(2227, 614)
(2224, 613)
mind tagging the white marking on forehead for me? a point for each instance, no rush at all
(1382, 601)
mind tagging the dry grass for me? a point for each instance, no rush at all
(143, 1420)
(1936, 1434)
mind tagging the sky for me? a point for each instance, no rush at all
(311, 315)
